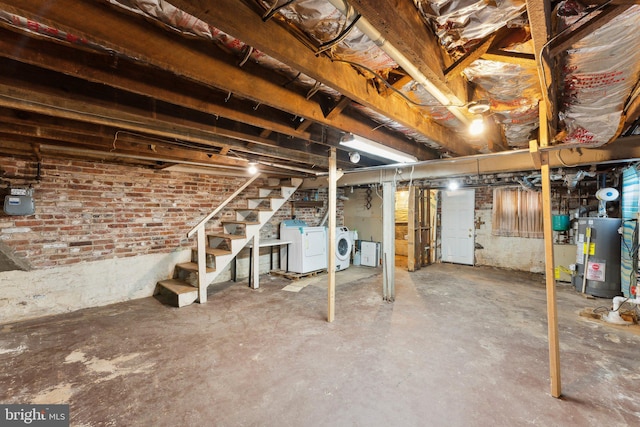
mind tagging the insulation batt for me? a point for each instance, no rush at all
(323, 22)
(179, 20)
(459, 24)
(599, 73)
(513, 92)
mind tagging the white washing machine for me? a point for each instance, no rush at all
(308, 249)
(343, 248)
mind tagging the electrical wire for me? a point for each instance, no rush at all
(544, 47)
(391, 87)
(273, 9)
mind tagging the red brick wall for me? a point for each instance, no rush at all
(88, 211)
(484, 197)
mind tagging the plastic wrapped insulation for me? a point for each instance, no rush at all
(599, 74)
(460, 24)
(45, 30)
(178, 20)
(513, 92)
(395, 126)
(319, 19)
(422, 98)
(322, 22)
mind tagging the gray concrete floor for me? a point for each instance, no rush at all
(461, 346)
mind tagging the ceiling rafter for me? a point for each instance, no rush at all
(241, 21)
(526, 60)
(408, 33)
(155, 47)
(583, 28)
(62, 107)
(539, 13)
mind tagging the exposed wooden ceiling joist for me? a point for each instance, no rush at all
(156, 47)
(585, 27)
(243, 22)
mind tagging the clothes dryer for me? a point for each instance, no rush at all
(308, 249)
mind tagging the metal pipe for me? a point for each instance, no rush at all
(375, 36)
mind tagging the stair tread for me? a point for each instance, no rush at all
(193, 266)
(266, 198)
(253, 209)
(240, 221)
(217, 251)
(227, 236)
(177, 286)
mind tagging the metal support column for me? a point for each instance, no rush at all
(388, 240)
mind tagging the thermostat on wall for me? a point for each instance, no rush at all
(19, 202)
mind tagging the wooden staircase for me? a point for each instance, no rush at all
(215, 250)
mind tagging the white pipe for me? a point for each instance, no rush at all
(402, 61)
(614, 315)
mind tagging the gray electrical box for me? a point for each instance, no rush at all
(19, 202)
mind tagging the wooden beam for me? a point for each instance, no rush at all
(64, 108)
(241, 21)
(456, 69)
(413, 226)
(133, 37)
(552, 309)
(539, 13)
(337, 108)
(331, 265)
(535, 154)
(525, 60)
(136, 78)
(408, 33)
(583, 28)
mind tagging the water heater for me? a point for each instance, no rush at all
(598, 256)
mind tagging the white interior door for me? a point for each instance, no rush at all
(458, 226)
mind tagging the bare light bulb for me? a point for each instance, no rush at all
(476, 127)
(252, 169)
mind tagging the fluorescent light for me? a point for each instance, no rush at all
(376, 149)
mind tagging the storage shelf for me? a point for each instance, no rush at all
(308, 204)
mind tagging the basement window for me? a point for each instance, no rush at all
(517, 213)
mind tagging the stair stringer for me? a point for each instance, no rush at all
(222, 261)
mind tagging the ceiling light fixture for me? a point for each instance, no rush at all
(453, 185)
(478, 108)
(477, 126)
(376, 149)
(354, 156)
(252, 168)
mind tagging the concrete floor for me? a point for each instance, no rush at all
(461, 346)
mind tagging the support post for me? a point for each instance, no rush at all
(388, 241)
(413, 230)
(202, 265)
(255, 260)
(552, 316)
(331, 264)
